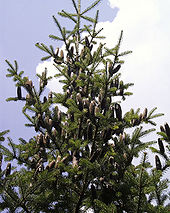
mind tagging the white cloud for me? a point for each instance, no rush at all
(54, 84)
(144, 23)
(146, 32)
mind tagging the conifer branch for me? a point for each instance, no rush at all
(68, 15)
(85, 185)
(141, 184)
(82, 157)
(55, 37)
(75, 6)
(95, 23)
(91, 6)
(2, 135)
(88, 18)
(58, 25)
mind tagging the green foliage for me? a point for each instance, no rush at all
(2, 135)
(82, 158)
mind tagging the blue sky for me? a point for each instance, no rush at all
(146, 32)
(22, 24)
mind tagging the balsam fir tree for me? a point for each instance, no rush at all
(81, 158)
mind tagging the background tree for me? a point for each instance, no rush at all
(82, 155)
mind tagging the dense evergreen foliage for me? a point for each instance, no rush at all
(82, 154)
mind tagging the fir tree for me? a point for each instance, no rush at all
(82, 158)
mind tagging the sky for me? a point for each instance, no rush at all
(23, 23)
(145, 24)
(146, 33)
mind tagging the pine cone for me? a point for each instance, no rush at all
(158, 163)
(115, 70)
(87, 41)
(161, 146)
(8, 169)
(118, 111)
(167, 130)
(19, 94)
(145, 112)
